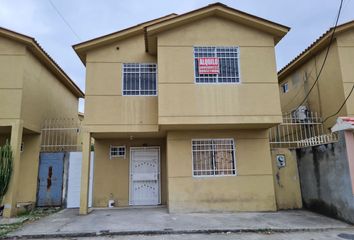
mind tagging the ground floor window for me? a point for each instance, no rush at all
(213, 157)
(117, 151)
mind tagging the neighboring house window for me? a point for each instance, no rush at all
(117, 151)
(139, 79)
(213, 157)
(285, 87)
(216, 64)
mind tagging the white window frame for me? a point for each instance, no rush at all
(215, 175)
(117, 156)
(217, 82)
(285, 87)
(143, 95)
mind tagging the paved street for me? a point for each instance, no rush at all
(68, 223)
(316, 235)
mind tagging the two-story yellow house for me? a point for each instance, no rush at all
(33, 88)
(333, 84)
(180, 108)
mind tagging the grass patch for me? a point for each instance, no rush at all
(26, 217)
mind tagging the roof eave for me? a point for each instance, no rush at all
(277, 30)
(65, 79)
(317, 46)
(82, 48)
(43, 56)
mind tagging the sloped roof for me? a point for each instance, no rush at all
(173, 20)
(44, 58)
(221, 10)
(318, 45)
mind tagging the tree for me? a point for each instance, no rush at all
(6, 159)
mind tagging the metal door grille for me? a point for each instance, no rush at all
(145, 176)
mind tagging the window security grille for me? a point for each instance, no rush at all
(228, 64)
(117, 151)
(139, 79)
(213, 157)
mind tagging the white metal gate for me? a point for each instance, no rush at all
(144, 176)
(74, 180)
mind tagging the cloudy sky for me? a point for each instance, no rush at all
(308, 19)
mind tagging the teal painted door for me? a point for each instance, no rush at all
(50, 179)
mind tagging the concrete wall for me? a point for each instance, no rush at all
(251, 190)
(286, 180)
(112, 176)
(181, 101)
(325, 180)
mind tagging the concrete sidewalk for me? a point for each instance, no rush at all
(68, 223)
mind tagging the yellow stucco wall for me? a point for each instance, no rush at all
(104, 88)
(112, 176)
(251, 190)
(44, 96)
(346, 56)
(179, 99)
(27, 189)
(26, 192)
(332, 87)
(286, 180)
(30, 93)
(12, 57)
(183, 101)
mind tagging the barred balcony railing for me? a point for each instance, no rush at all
(300, 130)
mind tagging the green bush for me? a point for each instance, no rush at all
(5, 168)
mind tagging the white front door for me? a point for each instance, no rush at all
(144, 176)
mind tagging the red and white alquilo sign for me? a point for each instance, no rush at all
(208, 65)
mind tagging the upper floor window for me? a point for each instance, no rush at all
(139, 79)
(216, 64)
(285, 88)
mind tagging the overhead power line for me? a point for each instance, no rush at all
(325, 59)
(66, 22)
(345, 101)
(309, 73)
